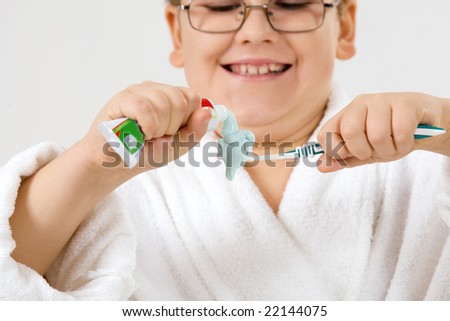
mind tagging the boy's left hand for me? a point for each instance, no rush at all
(380, 128)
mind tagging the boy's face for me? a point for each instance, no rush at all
(304, 62)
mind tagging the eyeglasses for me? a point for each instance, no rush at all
(221, 16)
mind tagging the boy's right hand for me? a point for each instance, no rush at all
(167, 115)
(53, 202)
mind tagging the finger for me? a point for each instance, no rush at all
(326, 164)
(137, 107)
(196, 126)
(160, 151)
(404, 123)
(194, 102)
(161, 102)
(189, 135)
(379, 131)
(353, 131)
(333, 165)
(183, 102)
(335, 147)
(330, 139)
(158, 108)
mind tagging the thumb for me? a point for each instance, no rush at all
(160, 151)
(197, 125)
(195, 128)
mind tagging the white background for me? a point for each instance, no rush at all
(336, 310)
(62, 60)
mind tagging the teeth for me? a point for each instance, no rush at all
(275, 67)
(263, 70)
(252, 70)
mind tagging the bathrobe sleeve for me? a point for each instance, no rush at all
(96, 264)
(422, 242)
(440, 284)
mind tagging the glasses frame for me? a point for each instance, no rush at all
(265, 8)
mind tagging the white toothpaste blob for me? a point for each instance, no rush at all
(235, 144)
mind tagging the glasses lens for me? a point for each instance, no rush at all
(296, 15)
(216, 15)
(284, 15)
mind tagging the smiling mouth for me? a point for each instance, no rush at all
(250, 70)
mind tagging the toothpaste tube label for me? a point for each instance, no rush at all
(130, 135)
(125, 138)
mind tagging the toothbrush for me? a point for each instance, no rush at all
(425, 131)
(313, 148)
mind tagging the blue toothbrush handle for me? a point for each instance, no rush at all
(425, 131)
(313, 148)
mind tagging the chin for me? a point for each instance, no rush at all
(256, 117)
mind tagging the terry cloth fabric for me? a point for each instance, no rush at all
(93, 264)
(184, 232)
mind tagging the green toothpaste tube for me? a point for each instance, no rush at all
(125, 137)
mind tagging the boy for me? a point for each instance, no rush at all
(276, 232)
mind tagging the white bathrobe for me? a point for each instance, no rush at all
(377, 232)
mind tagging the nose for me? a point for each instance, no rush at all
(256, 28)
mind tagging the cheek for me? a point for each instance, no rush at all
(319, 57)
(193, 68)
(202, 52)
